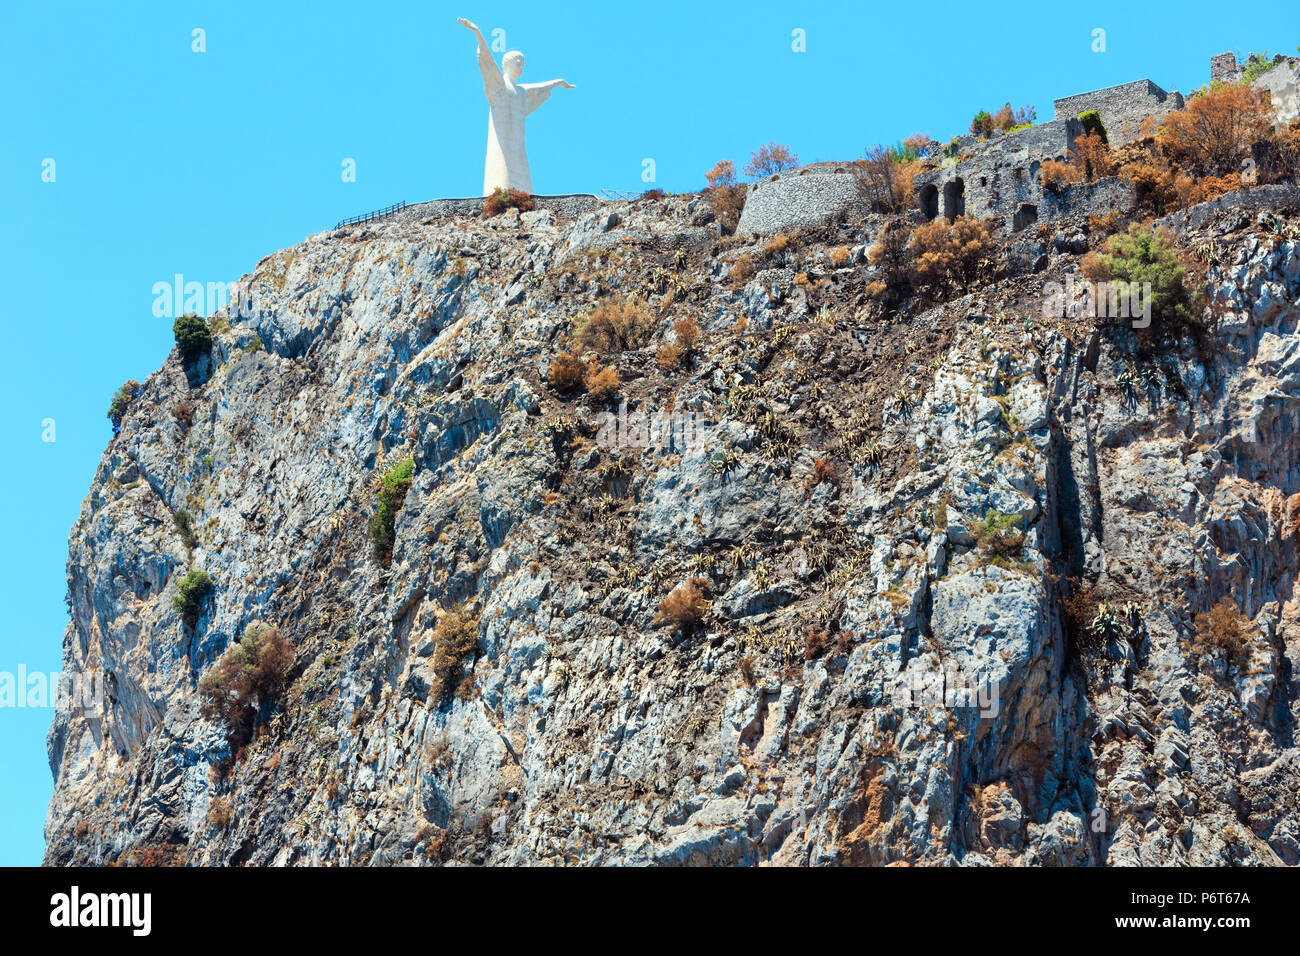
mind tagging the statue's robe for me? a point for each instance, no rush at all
(510, 103)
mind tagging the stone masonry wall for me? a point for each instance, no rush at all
(799, 198)
(1122, 108)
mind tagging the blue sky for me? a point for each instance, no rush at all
(170, 161)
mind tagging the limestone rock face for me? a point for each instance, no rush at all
(886, 519)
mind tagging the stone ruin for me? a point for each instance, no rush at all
(998, 177)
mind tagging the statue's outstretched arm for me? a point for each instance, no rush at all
(492, 81)
(538, 92)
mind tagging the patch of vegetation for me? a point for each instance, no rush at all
(1257, 64)
(219, 813)
(192, 337)
(1142, 255)
(121, 404)
(183, 524)
(569, 373)
(769, 159)
(503, 199)
(1214, 132)
(950, 256)
(614, 326)
(724, 195)
(392, 493)
(248, 675)
(1224, 629)
(685, 607)
(672, 355)
(1005, 120)
(999, 535)
(190, 593)
(454, 636)
(1092, 123)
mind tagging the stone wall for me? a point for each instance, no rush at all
(568, 206)
(800, 198)
(1001, 178)
(1106, 195)
(1224, 68)
(1122, 108)
(1282, 83)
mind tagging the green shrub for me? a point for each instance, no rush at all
(121, 403)
(184, 527)
(454, 636)
(1141, 255)
(247, 675)
(192, 336)
(392, 493)
(982, 123)
(1257, 64)
(193, 588)
(1092, 123)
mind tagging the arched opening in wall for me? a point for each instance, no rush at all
(929, 200)
(954, 199)
(1026, 215)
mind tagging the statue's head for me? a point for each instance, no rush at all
(512, 64)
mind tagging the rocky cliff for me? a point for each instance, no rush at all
(880, 502)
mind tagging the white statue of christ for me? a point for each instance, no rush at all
(511, 102)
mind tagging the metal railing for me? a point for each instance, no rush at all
(372, 216)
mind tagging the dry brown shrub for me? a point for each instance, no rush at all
(823, 471)
(685, 607)
(769, 159)
(1214, 132)
(1094, 267)
(1224, 628)
(687, 333)
(219, 813)
(503, 199)
(950, 255)
(1092, 156)
(615, 326)
(1056, 176)
(566, 373)
(454, 636)
(669, 357)
(245, 677)
(815, 643)
(725, 195)
(1154, 184)
(601, 381)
